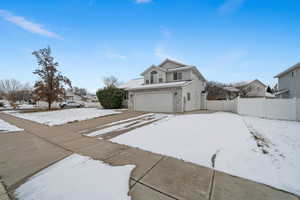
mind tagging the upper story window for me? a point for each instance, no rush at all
(293, 74)
(177, 76)
(153, 74)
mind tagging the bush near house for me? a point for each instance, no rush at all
(110, 97)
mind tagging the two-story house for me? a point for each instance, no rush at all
(289, 82)
(252, 88)
(168, 87)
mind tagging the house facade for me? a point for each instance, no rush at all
(289, 82)
(168, 87)
(253, 88)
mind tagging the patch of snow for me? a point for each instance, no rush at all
(128, 125)
(225, 137)
(24, 106)
(282, 162)
(7, 127)
(268, 94)
(109, 129)
(132, 83)
(231, 89)
(59, 117)
(126, 120)
(77, 177)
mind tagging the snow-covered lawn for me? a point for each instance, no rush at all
(77, 177)
(261, 150)
(7, 127)
(59, 117)
(127, 124)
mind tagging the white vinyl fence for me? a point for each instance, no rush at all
(285, 109)
(223, 105)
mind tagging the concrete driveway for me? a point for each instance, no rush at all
(156, 177)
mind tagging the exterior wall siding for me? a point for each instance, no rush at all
(291, 83)
(297, 83)
(186, 75)
(257, 90)
(170, 65)
(194, 88)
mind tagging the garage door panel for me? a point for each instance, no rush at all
(153, 102)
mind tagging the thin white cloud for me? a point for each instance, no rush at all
(143, 1)
(230, 6)
(26, 24)
(113, 55)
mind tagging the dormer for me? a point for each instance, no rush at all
(170, 64)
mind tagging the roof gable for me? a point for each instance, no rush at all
(258, 81)
(153, 67)
(170, 64)
(246, 83)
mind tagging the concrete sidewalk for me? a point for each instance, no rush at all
(156, 177)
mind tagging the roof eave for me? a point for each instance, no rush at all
(151, 88)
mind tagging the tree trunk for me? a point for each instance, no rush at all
(49, 105)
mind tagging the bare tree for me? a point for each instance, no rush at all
(111, 81)
(9, 88)
(50, 87)
(215, 90)
(244, 91)
(80, 91)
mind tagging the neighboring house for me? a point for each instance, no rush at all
(253, 88)
(71, 96)
(168, 87)
(220, 91)
(289, 82)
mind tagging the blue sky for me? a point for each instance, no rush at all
(228, 40)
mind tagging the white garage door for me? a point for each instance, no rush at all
(153, 102)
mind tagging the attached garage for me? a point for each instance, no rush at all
(153, 101)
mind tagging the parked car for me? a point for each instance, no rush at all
(71, 104)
